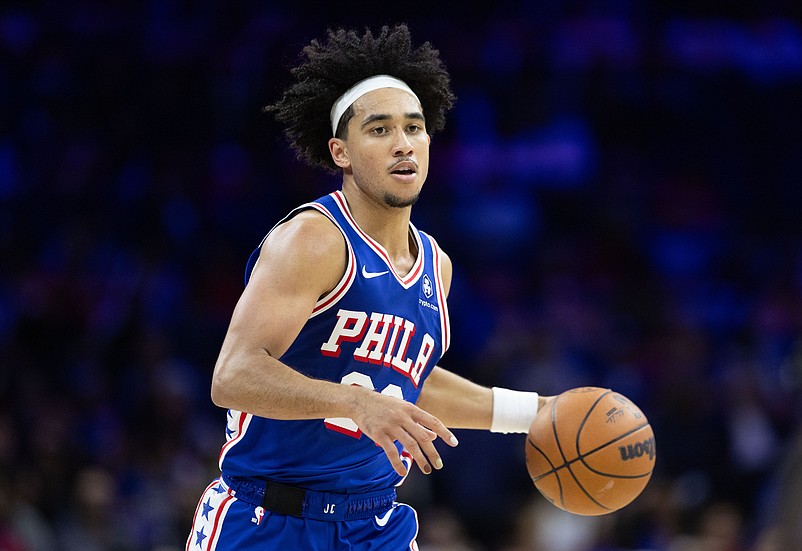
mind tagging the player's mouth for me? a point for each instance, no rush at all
(405, 171)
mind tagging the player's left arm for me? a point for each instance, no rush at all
(462, 404)
(456, 401)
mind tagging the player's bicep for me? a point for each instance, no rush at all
(300, 261)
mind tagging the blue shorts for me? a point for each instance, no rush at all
(226, 519)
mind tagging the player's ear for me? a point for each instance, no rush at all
(339, 153)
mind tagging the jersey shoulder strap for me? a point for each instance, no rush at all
(326, 205)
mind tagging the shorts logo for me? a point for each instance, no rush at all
(382, 520)
(258, 514)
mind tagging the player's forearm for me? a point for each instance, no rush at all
(460, 403)
(260, 384)
(456, 401)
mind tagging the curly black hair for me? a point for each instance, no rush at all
(330, 69)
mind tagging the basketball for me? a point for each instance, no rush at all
(591, 451)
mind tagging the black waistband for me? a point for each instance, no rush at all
(300, 502)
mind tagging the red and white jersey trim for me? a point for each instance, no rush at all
(445, 322)
(417, 269)
(331, 298)
(237, 426)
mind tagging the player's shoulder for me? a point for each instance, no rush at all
(309, 226)
(309, 234)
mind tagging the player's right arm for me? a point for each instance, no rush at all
(300, 261)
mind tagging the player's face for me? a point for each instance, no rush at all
(387, 148)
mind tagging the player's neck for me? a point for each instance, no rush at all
(388, 226)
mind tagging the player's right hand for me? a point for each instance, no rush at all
(387, 420)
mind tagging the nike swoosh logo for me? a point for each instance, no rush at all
(381, 521)
(370, 275)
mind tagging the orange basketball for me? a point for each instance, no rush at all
(591, 452)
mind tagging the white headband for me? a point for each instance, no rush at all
(360, 89)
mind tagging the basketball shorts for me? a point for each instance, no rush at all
(231, 517)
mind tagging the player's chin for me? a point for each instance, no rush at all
(401, 201)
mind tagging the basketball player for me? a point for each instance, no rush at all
(328, 369)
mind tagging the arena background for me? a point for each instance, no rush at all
(619, 187)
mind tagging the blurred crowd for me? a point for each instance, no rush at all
(619, 187)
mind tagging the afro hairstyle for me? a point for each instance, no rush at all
(329, 69)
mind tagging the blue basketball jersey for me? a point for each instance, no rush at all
(377, 329)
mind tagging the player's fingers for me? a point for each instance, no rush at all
(414, 449)
(425, 440)
(426, 434)
(395, 459)
(431, 458)
(420, 444)
(436, 425)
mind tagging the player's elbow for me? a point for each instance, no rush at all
(222, 389)
(218, 395)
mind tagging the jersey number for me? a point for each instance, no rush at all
(347, 426)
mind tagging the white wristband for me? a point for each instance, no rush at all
(513, 411)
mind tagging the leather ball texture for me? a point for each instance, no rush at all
(591, 451)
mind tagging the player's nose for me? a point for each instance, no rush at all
(403, 145)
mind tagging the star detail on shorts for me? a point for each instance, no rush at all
(207, 508)
(200, 537)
